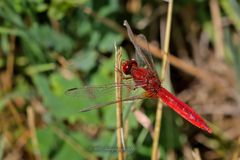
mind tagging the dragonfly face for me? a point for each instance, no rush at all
(128, 65)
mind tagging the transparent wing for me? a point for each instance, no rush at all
(142, 56)
(101, 90)
(93, 97)
(95, 91)
(97, 106)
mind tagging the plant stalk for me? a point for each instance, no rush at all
(157, 129)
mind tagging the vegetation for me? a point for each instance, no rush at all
(48, 47)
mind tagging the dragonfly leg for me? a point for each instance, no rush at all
(150, 95)
(118, 70)
(123, 76)
(127, 77)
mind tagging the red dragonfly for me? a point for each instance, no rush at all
(146, 78)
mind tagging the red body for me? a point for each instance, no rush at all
(149, 81)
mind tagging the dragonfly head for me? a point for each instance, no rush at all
(127, 66)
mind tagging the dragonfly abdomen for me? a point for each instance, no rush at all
(182, 109)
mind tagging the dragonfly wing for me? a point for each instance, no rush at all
(183, 109)
(102, 95)
(142, 56)
(112, 102)
(101, 90)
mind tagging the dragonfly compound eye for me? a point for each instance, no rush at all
(126, 67)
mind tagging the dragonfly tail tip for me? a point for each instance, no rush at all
(209, 130)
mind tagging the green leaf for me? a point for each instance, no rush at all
(10, 15)
(101, 147)
(4, 44)
(105, 74)
(51, 39)
(58, 103)
(107, 42)
(232, 9)
(84, 60)
(47, 141)
(94, 39)
(68, 151)
(84, 27)
(58, 8)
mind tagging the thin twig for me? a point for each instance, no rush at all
(118, 80)
(10, 65)
(236, 151)
(218, 29)
(15, 114)
(196, 154)
(157, 128)
(32, 128)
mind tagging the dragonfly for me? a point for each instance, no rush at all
(144, 76)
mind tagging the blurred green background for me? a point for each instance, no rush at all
(48, 47)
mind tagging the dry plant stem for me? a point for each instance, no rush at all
(157, 128)
(73, 144)
(15, 114)
(32, 128)
(218, 30)
(118, 80)
(237, 150)
(196, 154)
(22, 140)
(10, 64)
